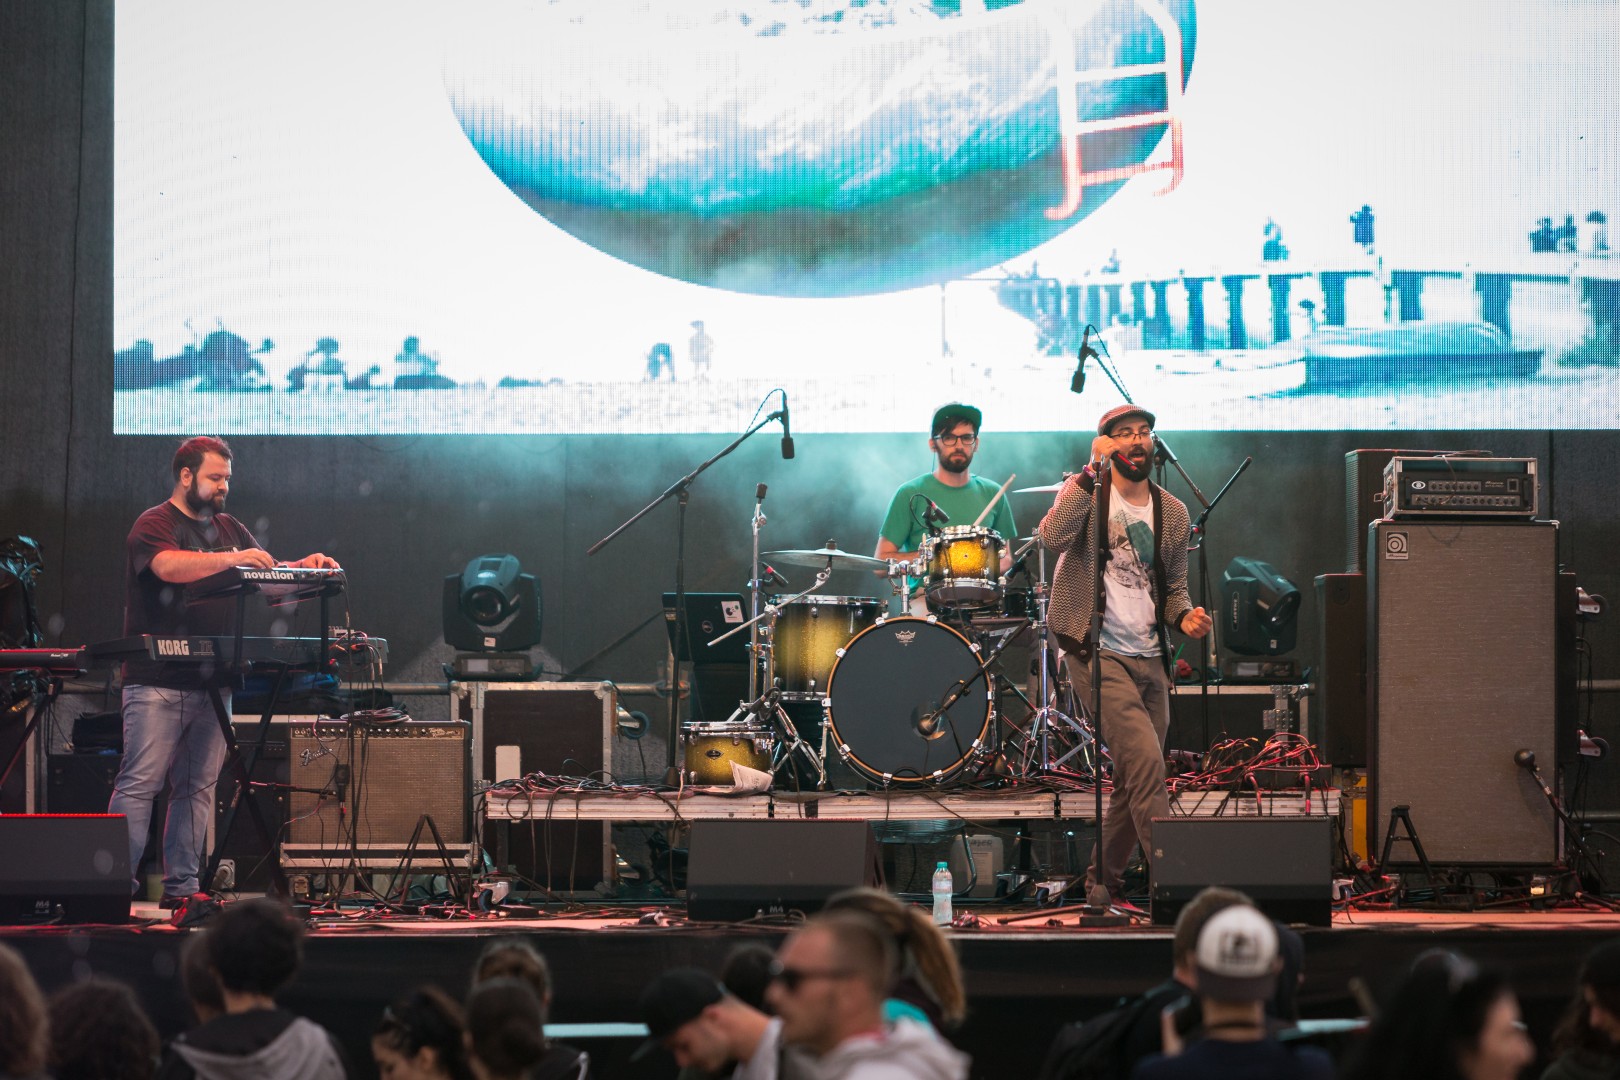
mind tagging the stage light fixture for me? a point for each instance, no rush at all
(1259, 608)
(492, 611)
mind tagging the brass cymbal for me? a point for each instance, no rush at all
(816, 558)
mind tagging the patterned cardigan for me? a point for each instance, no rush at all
(1069, 529)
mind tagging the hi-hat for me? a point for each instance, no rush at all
(815, 558)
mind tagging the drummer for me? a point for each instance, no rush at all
(953, 438)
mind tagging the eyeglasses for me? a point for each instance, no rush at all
(956, 440)
(1139, 435)
(793, 978)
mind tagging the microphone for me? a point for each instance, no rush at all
(1078, 383)
(1525, 759)
(787, 430)
(933, 517)
(769, 576)
(759, 493)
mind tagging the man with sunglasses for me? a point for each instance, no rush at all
(954, 439)
(1144, 595)
(828, 986)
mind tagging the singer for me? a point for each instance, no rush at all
(1144, 594)
(953, 439)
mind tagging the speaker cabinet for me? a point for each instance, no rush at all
(737, 869)
(254, 864)
(1341, 672)
(64, 869)
(83, 784)
(377, 782)
(1284, 863)
(1463, 641)
(561, 729)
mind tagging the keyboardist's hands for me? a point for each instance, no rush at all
(317, 561)
(258, 558)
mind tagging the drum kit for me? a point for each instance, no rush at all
(907, 701)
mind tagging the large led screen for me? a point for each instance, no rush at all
(585, 216)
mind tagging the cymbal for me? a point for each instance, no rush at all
(816, 558)
(1045, 488)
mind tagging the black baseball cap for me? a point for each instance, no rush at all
(949, 415)
(673, 999)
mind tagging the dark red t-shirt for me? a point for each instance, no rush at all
(155, 606)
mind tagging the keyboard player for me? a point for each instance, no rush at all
(170, 729)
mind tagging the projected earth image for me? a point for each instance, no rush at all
(796, 148)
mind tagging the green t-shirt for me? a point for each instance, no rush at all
(902, 526)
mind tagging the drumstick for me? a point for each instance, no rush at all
(991, 505)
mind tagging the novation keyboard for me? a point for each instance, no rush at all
(292, 651)
(64, 663)
(282, 584)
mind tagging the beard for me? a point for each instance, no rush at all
(203, 506)
(955, 462)
(1136, 466)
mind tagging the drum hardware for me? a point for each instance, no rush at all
(766, 712)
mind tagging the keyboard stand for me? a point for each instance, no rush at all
(239, 767)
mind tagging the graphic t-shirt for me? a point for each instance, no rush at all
(155, 606)
(1127, 625)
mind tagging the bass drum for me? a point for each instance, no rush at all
(886, 686)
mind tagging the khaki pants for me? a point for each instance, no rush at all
(1135, 722)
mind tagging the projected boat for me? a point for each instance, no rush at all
(728, 147)
(1347, 357)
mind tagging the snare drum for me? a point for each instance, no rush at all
(809, 632)
(711, 749)
(885, 687)
(964, 567)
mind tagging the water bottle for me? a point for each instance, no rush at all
(942, 895)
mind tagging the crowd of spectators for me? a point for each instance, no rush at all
(868, 989)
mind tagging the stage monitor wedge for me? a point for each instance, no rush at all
(64, 868)
(1284, 863)
(739, 869)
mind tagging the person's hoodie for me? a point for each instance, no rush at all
(906, 1050)
(264, 1044)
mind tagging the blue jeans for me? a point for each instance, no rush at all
(171, 734)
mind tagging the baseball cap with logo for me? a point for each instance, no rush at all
(1237, 956)
(675, 999)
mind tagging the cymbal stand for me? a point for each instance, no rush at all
(754, 643)
(1048, 715)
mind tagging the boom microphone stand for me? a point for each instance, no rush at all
(680, 490)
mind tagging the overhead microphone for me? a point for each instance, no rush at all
(759, 492)
(787, 430)
(1078, 383)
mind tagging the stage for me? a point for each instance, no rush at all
(1024, 980)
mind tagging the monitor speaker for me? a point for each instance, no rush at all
(738, 869)
(1463, 637)
(1341, 674)
(1284, 863)
(64, 868)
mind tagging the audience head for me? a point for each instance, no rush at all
(747, 974)
(421, 1037)
(514, 958)
(831, 979)
(1446, 1020)
(1236, 959)
(1190, 922)
(924, 953)
(98, 1032)
(683, 1012)
(505, 1029)
(1591, 1024)
(24, 1037)
(255, 946)
(198, 980)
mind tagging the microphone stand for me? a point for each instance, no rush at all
(680, 491)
